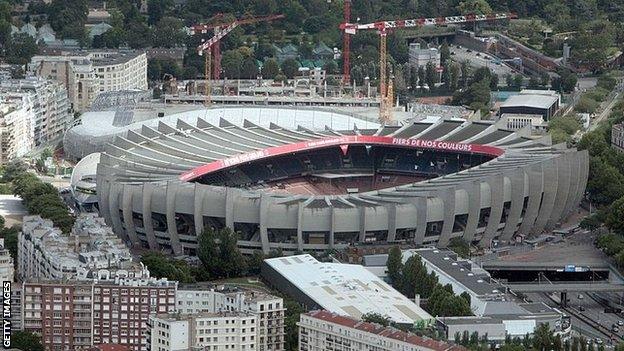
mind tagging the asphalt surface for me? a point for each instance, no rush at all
(11, 209)
(462, 54)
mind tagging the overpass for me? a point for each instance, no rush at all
(567, 286)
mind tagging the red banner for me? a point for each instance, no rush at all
(339, 141)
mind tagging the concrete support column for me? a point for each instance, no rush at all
(113, 207)
(300, 209)
(421, 220)
(174, 239)
(332, 227)
(551, 183)
(127, 213)
(229, 208)
(448, 199)
(474, 209)
(363, 211)
(264, 235)
(517, 200)
(536, 186)
(148, 191)
(392, 222)
(496, 209)
(198, 204)
(563, 189)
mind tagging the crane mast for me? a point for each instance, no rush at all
(211, 48)
(386, 90)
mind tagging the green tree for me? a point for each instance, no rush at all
(377, 318)
(232, 64)
(586, 105)
(431, 76)
(460, 247)
(25, 340)
(290, 68)
(445, 53)
(479, 7)
(331, 67)
(270, 69)
(161, 266)
(615, 217)
(249, 69)
(23, 48)
(395, 265)
(231, 260)
(168, 33)
(156, 10)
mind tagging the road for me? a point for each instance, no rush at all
(477, 59)
(606, 111)
(11, 209)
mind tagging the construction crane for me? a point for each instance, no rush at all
(211, 48)
(382, 28)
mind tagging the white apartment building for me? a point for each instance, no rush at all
(91, 250)
(268, 309)
(51, 106)
(6, 263)
(17, 121)
(85, 74)
(419, 57)
(231, 331)
(322, 330)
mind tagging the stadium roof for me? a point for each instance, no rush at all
(531, 100)
(346, 289)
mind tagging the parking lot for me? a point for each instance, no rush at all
(477, 59)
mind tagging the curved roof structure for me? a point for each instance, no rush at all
(527, 183)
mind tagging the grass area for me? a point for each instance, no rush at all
(254, 282)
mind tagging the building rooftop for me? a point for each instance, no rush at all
(346, 289)
(531, 100)
(91, 246)
(386, 332)
(173, 317)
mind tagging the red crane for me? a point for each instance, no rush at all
(383, 27)
(220, 30)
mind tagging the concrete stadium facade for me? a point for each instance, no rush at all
(527, 188)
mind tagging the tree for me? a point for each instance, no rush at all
(25, 340)
(232, 64)
(331, 67)
(249, 70)
(445, 53)
(615, 217)
(156, 10)
(431, 76)
(168, 33)
(586, 105)
(231, 260)
(13, 169)
(479, 7)
(290, 68)
(270, 69)
(23, 48)
(67, 17)
(590, 223)
(161, 266)
(421, 76)
(377, 318)
(460, 247)
(395, 265)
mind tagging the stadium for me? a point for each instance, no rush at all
(314, 180)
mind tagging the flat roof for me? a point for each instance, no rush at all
(530, 100)
(461, 271)
(347, 289)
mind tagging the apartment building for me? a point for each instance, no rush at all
(323, 330)
(79, 314)
(91, 250)
(85, 74)
(206, 331)
(268, 309)
(17, 120)
(6, 263)
(617, 137)
(51, 106)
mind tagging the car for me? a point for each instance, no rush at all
(620, 323)
(452, 52)
(459, 47)
(599, 341)
(468, 50)
(478, 54)
(580, 296)
(615, 329)
(581, 308)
